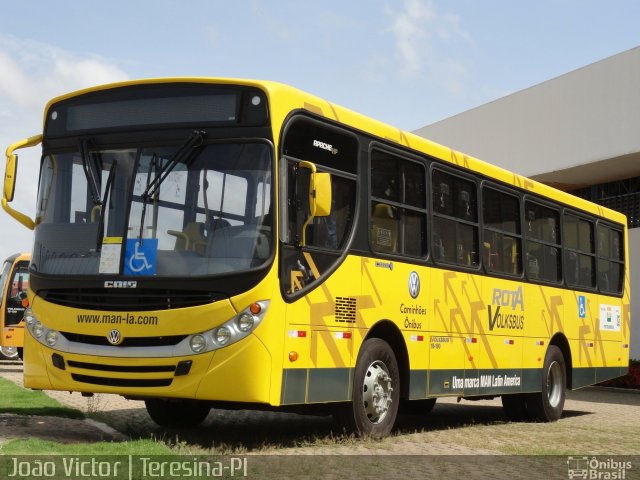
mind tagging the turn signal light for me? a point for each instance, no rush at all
(255, 308)
(293, 356)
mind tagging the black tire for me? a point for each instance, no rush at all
(547, 405)
(177, 413)
(515, 407)
(375, 392)
(417, 407)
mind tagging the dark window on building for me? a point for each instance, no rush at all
(579, 251)
(502, 241)
(543, 258)
(610, 259)
(398, 205)
(623, 196)
(455, 219)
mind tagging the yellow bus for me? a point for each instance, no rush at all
(217, 243)
(14, 283)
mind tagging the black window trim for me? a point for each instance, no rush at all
(485, 183)
(622, 262)
(476, 179)
(565, 250)
(423, 162)
(527, 198)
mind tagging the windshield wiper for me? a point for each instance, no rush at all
(88, 172)
(186, 153)
(105, 205)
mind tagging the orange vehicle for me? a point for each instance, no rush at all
(14, 283)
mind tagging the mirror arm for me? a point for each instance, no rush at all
(311, 166)
(20, 217)
(27, 142)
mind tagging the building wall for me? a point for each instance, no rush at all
(581, 118)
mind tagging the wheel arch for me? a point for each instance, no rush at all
(389, 332)
(560, 341)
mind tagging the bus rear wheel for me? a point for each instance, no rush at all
(375, 392)
(177, 413)
(547, 405)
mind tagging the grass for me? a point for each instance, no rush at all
(34, 446)
(20, 401)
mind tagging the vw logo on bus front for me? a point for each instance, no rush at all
(114, 337)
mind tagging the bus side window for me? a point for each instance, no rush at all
(465, 205)
(443, 204)
(384, 228)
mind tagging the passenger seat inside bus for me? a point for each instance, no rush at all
(74, 247)
(384, 228)
(242, 246)
(191, 238)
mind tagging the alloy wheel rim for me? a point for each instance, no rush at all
(376, 392)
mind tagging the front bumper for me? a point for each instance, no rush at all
(240, 372)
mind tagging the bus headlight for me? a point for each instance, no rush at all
(29, 317)
(51, 337)
(231, 331)
(222, 336)
(245, 322)
(197, 343)
(37, 329)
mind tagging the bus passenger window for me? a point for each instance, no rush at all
(501, 214)
(455, 223)
(384, 228)
(398, 205)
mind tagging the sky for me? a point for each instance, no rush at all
(408, 63)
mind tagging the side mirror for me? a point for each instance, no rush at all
(319, 196)
(10, 177)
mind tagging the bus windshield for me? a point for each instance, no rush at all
(154, 211)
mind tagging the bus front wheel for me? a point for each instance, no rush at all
(177, 413)
(375, 392)
(547, 405)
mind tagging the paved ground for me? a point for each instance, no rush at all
(596, 421)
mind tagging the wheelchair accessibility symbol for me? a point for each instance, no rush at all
(140, 256)
(582, 306)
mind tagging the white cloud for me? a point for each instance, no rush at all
(421, 32)
(31, 74)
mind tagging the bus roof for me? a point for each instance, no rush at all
(289, 98)
(18, 256)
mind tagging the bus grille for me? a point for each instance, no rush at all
(123, 382)
(127, 342)
(119, 300)
(122, 368)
